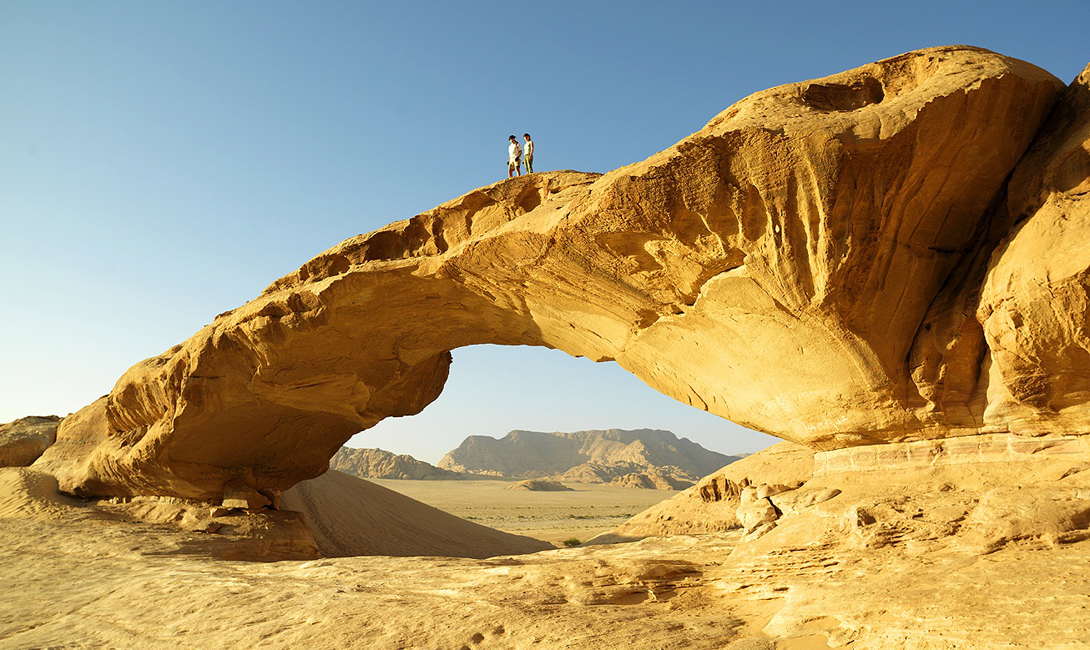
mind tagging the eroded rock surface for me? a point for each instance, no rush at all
(1034, 307)
(713, 505)
(960, 556)
(775, 268)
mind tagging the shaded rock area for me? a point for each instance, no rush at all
(538, 485)
(187, 528)
(25, 439)
(815, 263)
(379, 463)
(589, 457)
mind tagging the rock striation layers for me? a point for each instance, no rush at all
(379, 463)
(588, 457)
(837, 262)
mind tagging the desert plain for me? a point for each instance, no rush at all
(588, 510)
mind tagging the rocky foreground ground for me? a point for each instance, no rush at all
(985, 555)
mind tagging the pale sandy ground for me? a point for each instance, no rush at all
(590, 509)
(927, 559)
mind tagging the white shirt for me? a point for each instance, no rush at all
(514, 151)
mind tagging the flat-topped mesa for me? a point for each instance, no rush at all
(772, 268)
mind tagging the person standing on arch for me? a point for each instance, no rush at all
(514, 156)
(529, 156)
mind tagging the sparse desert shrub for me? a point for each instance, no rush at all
(571, 541)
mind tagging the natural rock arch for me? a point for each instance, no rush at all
(773, 268)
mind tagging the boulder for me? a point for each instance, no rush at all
(25, 439)
(715, 504)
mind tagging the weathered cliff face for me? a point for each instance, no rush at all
(803, 265)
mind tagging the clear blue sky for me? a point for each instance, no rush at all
(162, 162)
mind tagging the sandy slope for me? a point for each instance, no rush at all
(351, 516)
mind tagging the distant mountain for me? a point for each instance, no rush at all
(587, 456)
(379, 463)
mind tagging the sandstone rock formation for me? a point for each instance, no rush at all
(379, 463)
(25, 439)
(586, 456)
(712, 505)
(808, 264)
(538, 485)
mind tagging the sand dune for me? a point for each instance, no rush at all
(350, 516)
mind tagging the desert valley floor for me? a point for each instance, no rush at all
(590, 509)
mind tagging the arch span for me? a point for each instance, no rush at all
(772, 268)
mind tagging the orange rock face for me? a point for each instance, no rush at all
(810, 264)
(1035, 302)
